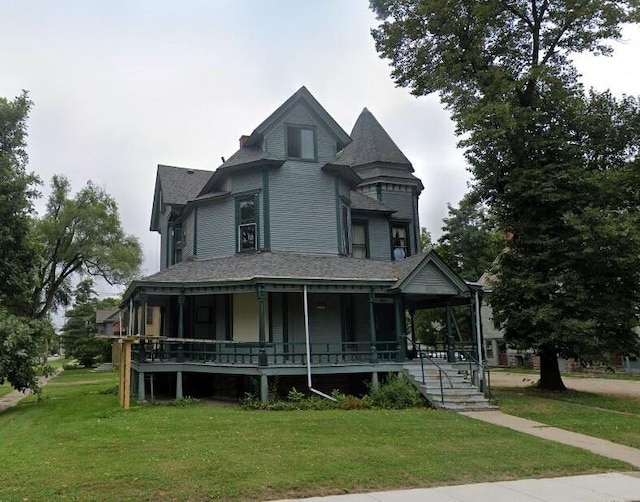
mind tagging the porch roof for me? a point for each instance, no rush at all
(299, 269)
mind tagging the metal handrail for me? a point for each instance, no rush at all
(422, 355)
(486, 378)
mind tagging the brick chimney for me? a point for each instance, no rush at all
(243, 140)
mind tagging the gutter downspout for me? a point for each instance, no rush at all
(307, 339)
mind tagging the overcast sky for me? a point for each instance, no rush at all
(121, 86)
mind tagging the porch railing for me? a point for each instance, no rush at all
(160, 349)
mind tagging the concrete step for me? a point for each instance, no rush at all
(456, 394)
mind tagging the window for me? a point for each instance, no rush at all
(488, 345)
(247, 224)
(346, 229)
(149, 316)
(359, 240)
(301, 143)
(399, 242)
(177, 240)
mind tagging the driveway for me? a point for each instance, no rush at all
(629, 388)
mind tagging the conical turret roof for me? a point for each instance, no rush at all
(371, 144)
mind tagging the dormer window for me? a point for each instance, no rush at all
(301, 143)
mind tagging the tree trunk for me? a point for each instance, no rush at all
(550, 378)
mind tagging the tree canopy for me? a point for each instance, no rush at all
(471, 240)
(17, 191)
(80, 236)
(41, 256)
(556, 165)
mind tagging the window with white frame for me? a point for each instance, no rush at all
(247, 215)
(301, 143)
(399, 241)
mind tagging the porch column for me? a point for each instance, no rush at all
(412, 316)
(372, 328)
(473, 338)
(262, 355)
(141, 394)
(143, 327)
(402, 343)
(136, 329)
(181, 300)
(178, 384)
(451, 353)
(264, 388)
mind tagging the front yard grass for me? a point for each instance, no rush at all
(5, 388)
(615, 418)
(78, 445)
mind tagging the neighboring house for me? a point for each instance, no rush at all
(498, 353)
(496, 350)
(107, 322)
(305, 241)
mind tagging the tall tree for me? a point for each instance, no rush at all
(17, 191)
(504, 70)
(81, 237)
(19, 336)
(471, 240)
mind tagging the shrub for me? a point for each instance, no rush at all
(185, 401)
(396, 393)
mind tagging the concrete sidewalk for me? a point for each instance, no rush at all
(15, 396)
(611, 487)
(595, 445)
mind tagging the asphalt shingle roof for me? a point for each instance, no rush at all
(371, 143)
(365, 203)
(180, 185)
(270, 265)
(246, 156)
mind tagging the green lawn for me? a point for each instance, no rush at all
(5, 388)
(614, 418)
(78, 445)
(619, 375)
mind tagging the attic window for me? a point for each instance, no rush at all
(301, 143)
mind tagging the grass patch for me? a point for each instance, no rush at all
(77, 444)
(614, 418)
(573, 374)
(5, 388)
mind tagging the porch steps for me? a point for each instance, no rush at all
(459, 393)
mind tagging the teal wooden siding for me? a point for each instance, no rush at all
(430, 280)
(404, 204)
(302, 196)
(379, 242)
(187, 228)
(164, 239)
(216, 229)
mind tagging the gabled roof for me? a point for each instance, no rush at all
(244, 158)
(361, 202)
(372, 144)
(301, 95)
(180, 185)
(106, 316)
(426, 273)
(175, 186)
